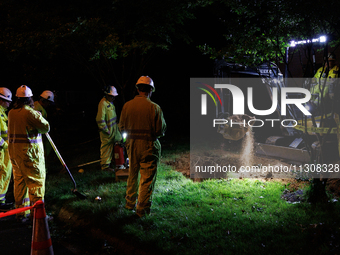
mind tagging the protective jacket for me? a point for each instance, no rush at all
(5, 163)
(144, 123)
(320, 77)
(108, 130)
(25, 129)
(38, 107)
(47, 146)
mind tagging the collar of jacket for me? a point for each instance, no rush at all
(142, 96)
(2, 109)
(108, 102)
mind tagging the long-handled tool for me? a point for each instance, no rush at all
(74, 191)
(85, 164)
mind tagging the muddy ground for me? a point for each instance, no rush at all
(229, 153)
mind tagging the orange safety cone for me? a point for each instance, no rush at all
(41, 239)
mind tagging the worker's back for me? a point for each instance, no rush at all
(142, 119)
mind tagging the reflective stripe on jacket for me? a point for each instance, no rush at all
(25, 127)
(25, 138)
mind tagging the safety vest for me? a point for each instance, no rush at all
(321, 73)
(320, 77)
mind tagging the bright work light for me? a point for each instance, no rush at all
(124, 135)
(321, 39)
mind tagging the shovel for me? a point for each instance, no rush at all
(74, 191)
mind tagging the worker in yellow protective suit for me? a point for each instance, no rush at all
(320, 81)
(5, 163)
(45, 100)
(25, 129)
(108, 130)
(144, 123)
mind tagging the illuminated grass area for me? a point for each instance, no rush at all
(238, 216)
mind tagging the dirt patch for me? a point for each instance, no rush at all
(333, 186)
(181, 164)
(293, 186)
(220, 157)
(232, 164)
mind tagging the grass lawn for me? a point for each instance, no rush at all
(217, 216)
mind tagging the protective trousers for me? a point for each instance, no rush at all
(5, 163)
(5, 173)
(106, 150)
(29, 186)
(144, 156)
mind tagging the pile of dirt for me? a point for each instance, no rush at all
(181, 164)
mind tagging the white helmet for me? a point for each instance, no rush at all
(24, 91)
(112, 91)
(6, 94)
(145, 80)
(48, 95)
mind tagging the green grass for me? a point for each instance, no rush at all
(216, 216)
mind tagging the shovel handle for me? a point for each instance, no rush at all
(61, 159)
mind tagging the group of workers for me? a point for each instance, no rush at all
(22, 145)
(22, 148)
(143, 122)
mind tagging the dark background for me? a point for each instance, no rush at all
(77, 95)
